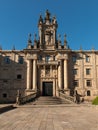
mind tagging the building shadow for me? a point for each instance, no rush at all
(6, 108)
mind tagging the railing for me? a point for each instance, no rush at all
(66, 97)
(28, 98)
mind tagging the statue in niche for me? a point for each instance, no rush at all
(47, 71)
(48, 38)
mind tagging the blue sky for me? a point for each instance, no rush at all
(77, 18)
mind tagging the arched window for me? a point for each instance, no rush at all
(88, 93)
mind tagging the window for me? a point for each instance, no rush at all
(40, 58)
(76, 83)
(75, 71)
(4, 95)
(5, 81)
(19, 76)
(20, 60)
(47, 58)
(88, 71)
(88, 93)
(7, 60)
(88, 83)
(74, 58)
(87, 59)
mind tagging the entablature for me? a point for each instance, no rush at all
(47, 62)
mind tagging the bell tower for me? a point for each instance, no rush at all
(47, 31)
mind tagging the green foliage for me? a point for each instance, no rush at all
(95, 101)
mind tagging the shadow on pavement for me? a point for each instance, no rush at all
(7, 108)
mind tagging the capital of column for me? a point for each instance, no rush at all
(65, 57)
(31, 57)
(62, 57)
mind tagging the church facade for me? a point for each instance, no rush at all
(48, 66)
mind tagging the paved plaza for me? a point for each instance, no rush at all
(67, 117)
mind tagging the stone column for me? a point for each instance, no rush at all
(28, 74)
(34, 75)
(65, 75)
(60, 75)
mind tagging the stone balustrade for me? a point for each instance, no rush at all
(25, 99)
(66, 97)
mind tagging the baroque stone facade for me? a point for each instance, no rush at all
(48, 66)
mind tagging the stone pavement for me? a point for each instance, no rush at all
(76, 117)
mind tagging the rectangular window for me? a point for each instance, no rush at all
(19, 76)
(7, 60)
(5, 81)
(20, 60)
(4, 95)
(88, 71)
(76, 83)
(87, 59)
(88, 83)
(74, 59)
(47, 58)
(75, 71)
(40, 58)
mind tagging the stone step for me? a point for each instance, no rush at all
(49, 101)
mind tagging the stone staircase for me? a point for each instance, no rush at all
(48, 100)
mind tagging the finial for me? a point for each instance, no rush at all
(54, 19)
(65, 36)
(65, 41)
(0, 47)
(40, 18)
(30, 35)
(81, 48)
(29, 38)
(59, 37)
(93, 48)
(13, 47)
(47, 15)
(35, 35)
